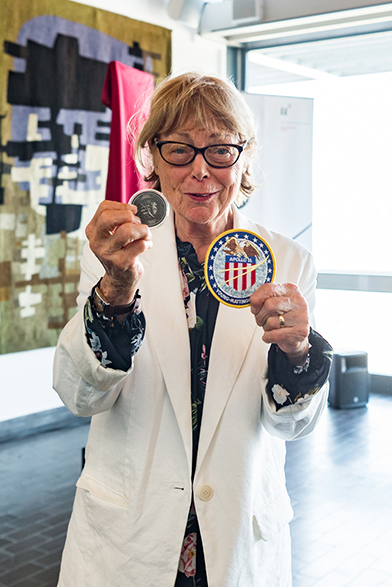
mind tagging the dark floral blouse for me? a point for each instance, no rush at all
(115, 344)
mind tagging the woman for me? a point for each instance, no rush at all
(184, 477)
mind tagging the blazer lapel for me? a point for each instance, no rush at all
(166, 320)
(233, 334)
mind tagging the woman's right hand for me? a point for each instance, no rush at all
(117, 238)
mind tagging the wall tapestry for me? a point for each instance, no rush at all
(54, 146)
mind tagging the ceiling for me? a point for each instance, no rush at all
(346, 56)
(292, 42)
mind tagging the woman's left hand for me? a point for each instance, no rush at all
(282, 311)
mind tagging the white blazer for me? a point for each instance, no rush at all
(133, 496)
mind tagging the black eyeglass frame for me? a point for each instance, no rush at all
(198, 150)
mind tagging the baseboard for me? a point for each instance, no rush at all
(40, 422)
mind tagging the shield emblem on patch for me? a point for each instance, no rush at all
(241, 272)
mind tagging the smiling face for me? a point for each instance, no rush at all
(200, 195)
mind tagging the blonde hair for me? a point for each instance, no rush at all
(213, 104)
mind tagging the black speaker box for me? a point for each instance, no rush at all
(349, 380)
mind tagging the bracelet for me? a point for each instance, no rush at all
(103, 307)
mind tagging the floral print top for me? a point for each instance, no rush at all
(115, 344)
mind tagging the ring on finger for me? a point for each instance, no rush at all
(282, 322)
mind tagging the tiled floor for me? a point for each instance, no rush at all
(37, 486)
(340, 483)
(339, 479)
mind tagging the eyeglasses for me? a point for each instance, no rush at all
(215, 155)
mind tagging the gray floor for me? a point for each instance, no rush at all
(340, 483)
(339, 479)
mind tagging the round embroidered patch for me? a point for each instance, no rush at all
(237, 263)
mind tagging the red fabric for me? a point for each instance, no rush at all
(124, 91)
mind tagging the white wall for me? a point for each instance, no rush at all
(26, 377)
(189, 51)
(26, 383)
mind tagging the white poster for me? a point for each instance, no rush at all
(283, 168)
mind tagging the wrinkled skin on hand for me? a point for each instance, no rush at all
(270, 301)
(117, 238)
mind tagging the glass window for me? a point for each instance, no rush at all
(352, 170)
(352, 202)
(357, 321)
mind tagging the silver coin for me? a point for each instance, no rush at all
(152, 207)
